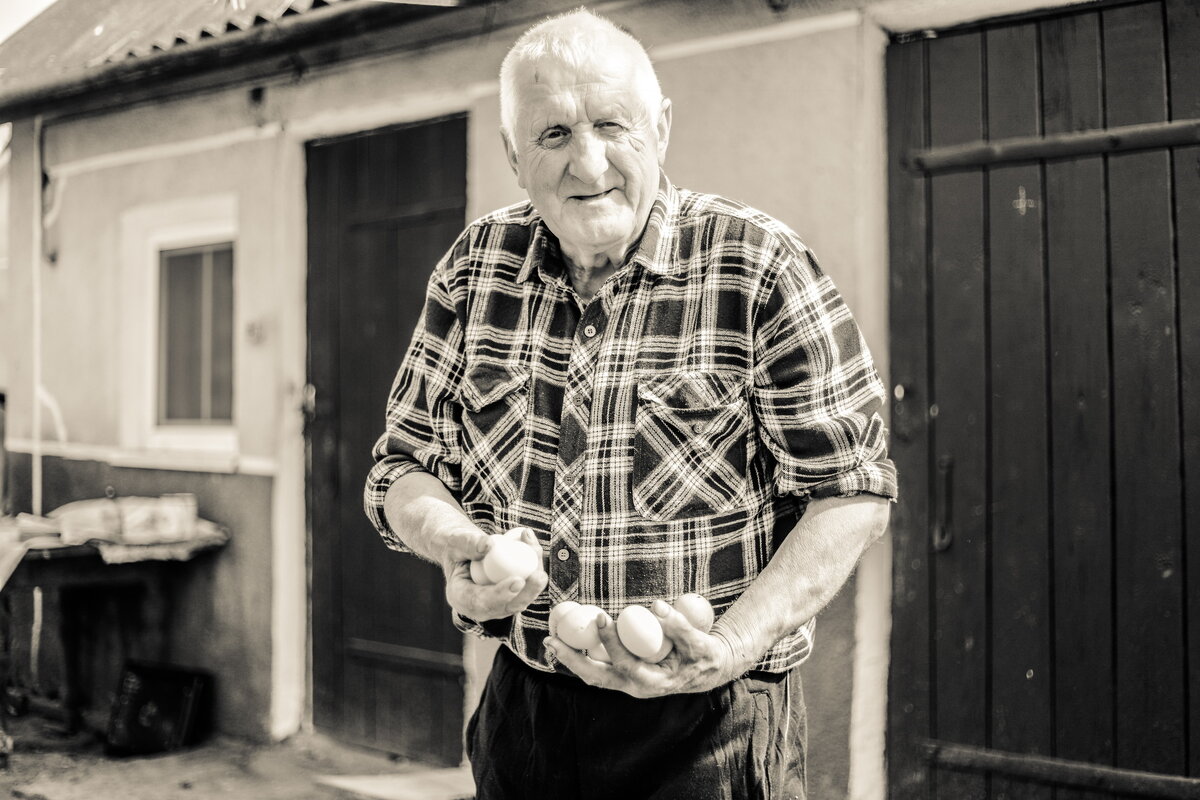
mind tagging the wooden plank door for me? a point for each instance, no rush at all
(1045, 356)
(387, 662)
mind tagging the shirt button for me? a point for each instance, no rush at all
(589, 331)
(699, 427)
(563, 554)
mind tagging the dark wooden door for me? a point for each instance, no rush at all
(382, 208)
(1045, 295)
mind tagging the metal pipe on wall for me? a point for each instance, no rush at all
(35, 262)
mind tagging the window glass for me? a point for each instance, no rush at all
(195, 376)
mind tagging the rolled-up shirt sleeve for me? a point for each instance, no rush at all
(817, 397)
(422, 420)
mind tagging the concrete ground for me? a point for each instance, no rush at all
(47, 765)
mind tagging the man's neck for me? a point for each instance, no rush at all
(589, 276)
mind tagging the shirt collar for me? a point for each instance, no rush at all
(655, 250)
(535, 255)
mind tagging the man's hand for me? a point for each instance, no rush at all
(494, 601)
(698, 662)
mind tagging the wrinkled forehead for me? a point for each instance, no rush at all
(549, 80)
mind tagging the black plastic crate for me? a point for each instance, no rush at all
(158, 708)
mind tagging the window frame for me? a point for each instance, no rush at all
(147, 232)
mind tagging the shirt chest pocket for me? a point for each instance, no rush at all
(690, 445)
(495, 402)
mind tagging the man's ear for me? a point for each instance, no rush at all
(664, 130)
(512, 157)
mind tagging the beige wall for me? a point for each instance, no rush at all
(84, 304)
(782, 111)
(4, 202)
(14, 323)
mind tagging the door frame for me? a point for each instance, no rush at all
(329, 648)
(292, 695)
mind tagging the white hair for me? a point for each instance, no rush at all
(575, 38)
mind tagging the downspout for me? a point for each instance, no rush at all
(35, 454)
(36, 290)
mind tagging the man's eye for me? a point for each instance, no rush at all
(552, 137)
(610, 127)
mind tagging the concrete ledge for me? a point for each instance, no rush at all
(434, 784)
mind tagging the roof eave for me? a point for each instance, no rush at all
(210, 63)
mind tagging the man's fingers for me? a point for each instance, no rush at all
(528, 589)
(677, 628)
(629, 675)
(587, 670)
(461, 591)
(476, 601)
(491, 601)
(459, 570)
(527, 536)
(611, 640)
(467, 545)
(494, 600)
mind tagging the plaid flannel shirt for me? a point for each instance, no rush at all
(660, 439)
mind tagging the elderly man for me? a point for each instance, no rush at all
(668, 394)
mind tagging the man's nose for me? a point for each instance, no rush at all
(589, 158)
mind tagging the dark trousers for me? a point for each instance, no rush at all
(541, 735)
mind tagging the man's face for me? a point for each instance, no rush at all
(588, 152)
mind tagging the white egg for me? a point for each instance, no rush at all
(510, 558)
(642, 634)
(479, 574)
(515, 533)
(577, 628)
(560, 611)
(697, 610)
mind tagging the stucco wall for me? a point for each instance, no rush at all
(223, 620)
(84, 305)
(788, 121)
(4, 201)
(14, 323)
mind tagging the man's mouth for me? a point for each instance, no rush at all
(596, 196)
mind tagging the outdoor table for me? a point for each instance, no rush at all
(76, 571)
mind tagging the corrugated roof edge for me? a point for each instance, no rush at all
(320, 24)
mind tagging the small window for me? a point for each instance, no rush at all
(195, 336)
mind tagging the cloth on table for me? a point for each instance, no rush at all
(122, 529)
(208, 534)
